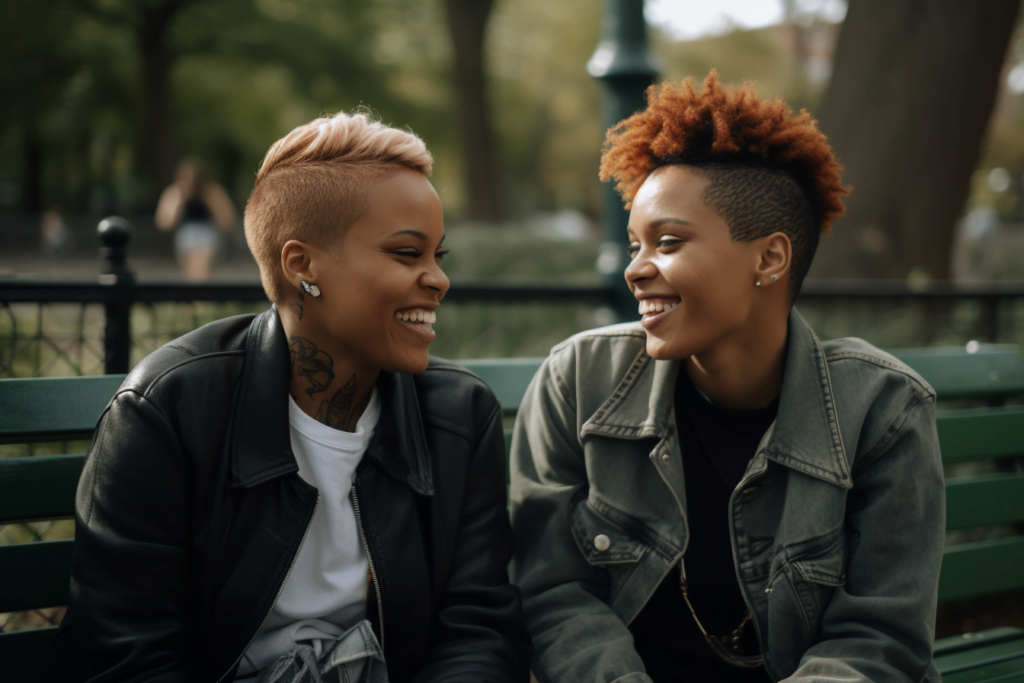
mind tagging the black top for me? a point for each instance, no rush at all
(716, 445)
(195, 210)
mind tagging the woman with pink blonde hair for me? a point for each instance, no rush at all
(305, 494)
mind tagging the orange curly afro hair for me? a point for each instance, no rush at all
(715, 126)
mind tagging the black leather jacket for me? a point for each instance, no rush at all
(190, 513)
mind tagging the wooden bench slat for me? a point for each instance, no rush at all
(507, 377)
(979, 433)
(38, 488)
(981, 568)
(1003, 662)
(995, 371)
(985, 500)
(34, 575)
(970, 641)
(25, 654)
(53, 408)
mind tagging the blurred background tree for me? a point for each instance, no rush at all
(907, 107)
(102, 98)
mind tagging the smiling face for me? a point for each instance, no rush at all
(382, 281)
(695, 285)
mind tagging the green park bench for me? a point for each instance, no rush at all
(35, 575)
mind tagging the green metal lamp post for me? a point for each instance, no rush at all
(625, 68)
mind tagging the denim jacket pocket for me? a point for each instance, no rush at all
(602, 540)
(799, 590)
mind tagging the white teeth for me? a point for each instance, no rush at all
(656, 306)
(417, 316)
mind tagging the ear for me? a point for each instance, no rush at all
(775, 259)
(297, 263)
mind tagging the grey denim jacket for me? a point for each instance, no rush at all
(837, 526)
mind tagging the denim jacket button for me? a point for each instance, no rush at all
(664, 456)
(602, 542)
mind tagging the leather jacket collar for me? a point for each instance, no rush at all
(261, 441)
(805, 436)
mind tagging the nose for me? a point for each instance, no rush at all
(434, 278)
(639, 268)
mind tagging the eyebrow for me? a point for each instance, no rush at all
(658, 222)
(415, 233)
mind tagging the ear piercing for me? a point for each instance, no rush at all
(774, 278)
(757, 284)
(312, 290)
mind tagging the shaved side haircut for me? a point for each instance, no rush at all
(768, 170)
(312, 184)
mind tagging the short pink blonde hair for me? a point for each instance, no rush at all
(310, 186)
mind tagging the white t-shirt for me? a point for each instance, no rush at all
(328, 580)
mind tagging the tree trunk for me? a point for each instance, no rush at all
(912, 91)
(157, 62)
(467, 20)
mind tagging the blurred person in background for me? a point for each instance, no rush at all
(54, 236)
(199, 211)
(305, 495)
(712, 494)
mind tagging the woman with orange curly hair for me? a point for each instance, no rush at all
(713, 494)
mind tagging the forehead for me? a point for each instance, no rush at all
(404, 200)
(671, 192)
(669, 185)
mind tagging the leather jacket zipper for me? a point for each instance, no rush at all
(280, 589)
(369, 560)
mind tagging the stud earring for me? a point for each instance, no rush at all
(312, 290)
(757, 284)
(774, 278)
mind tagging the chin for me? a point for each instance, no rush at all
(659, 349)
(411, 364)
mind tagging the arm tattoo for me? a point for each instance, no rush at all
(310, 362)
(340, 411)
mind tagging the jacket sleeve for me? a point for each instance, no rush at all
(128, 578)
(880, 625)
(480, 635)
(576, 635)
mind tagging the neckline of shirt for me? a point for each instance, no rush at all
(316, 431)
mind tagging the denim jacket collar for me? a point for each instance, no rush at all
(804, 437)
(261, 441)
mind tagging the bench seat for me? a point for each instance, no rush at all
(34, 575)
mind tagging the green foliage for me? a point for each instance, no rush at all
(243, 73)
(769, 58)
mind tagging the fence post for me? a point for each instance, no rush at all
(625, 68)
(114, 233)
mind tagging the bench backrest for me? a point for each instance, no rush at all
(35, 575)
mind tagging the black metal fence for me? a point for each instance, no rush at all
(83, 327)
